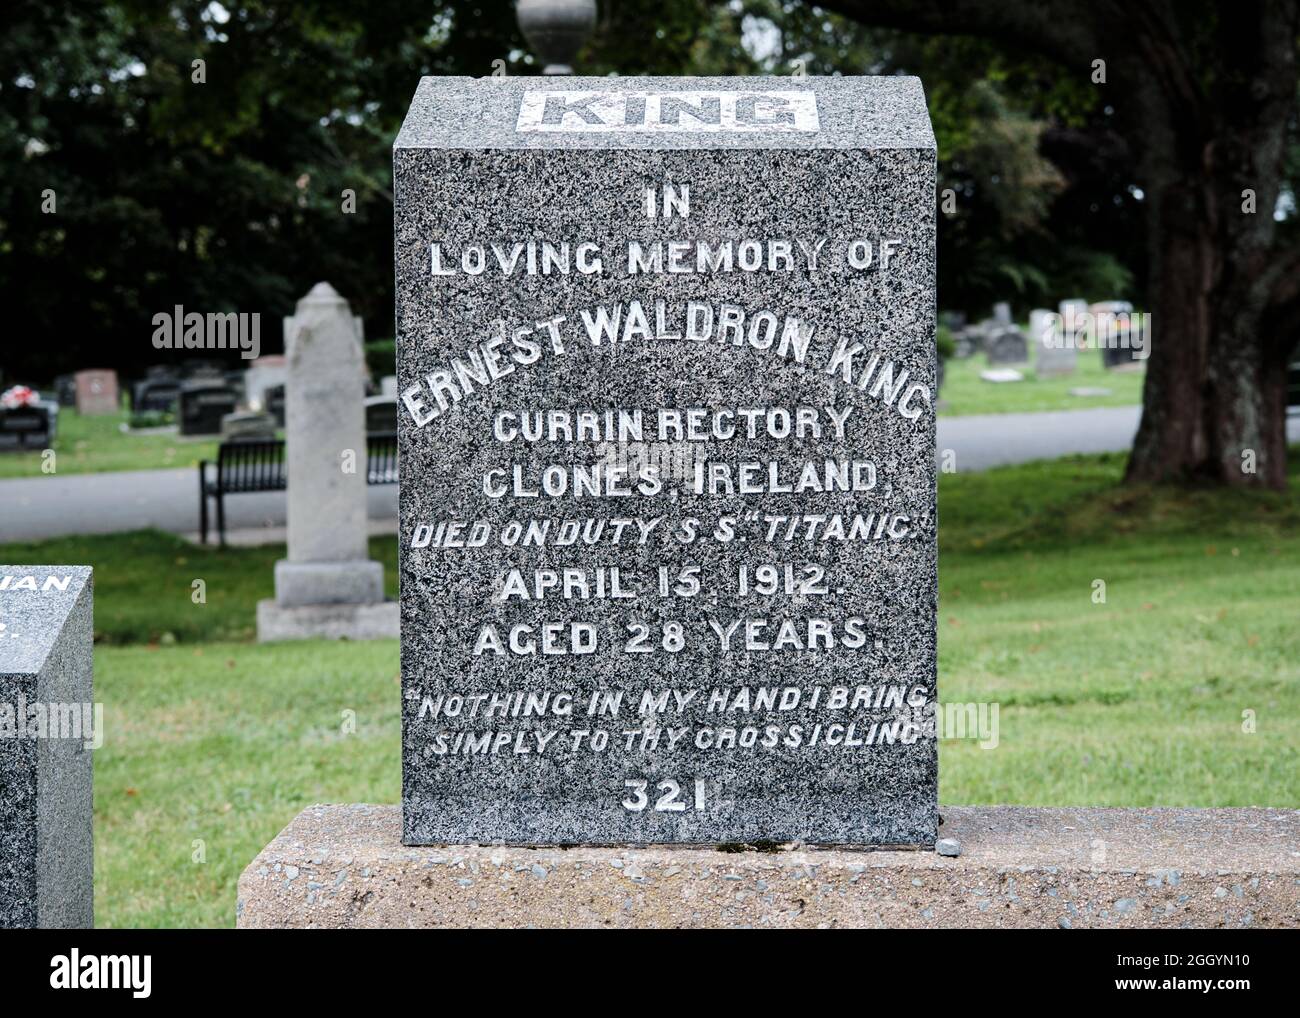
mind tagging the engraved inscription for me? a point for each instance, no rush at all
(770, 111)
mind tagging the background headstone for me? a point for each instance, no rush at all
(1006, 345)
(618, 713)
(328, 585)
(158, 395)
(47, 720)
(97, 392)
(65, 389)
(273, 401)
(263, 374)
(1074, 316)
(203, 403)
(25, 427)
(381, 415)
(247, 425)
(1052, 358)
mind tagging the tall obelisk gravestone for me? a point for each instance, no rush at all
(667, 366)
(328, 586)
(47, 732)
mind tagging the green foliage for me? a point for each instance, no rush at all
(230, 194)
(944, 342)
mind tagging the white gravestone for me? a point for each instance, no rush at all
(327, 586)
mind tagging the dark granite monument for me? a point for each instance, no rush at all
(666, 368)
(202, 405)
(48, 727)
(26, 427)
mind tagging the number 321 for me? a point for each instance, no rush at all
(669, 800)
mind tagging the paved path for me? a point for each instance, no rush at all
(38, 507)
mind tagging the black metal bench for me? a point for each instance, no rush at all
(258, 465)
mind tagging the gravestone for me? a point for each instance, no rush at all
(1006, 345)
(248, 426)
(1002, 313)
(96, 392)
(666, 360)
(357, 324)
(328, 585)
(273, 403)
(234, 379)
(381, 415)
(202, 404)
(156, 395)
(1119, 335)
(201, 369)
(1074, 321)
(263, 374)
(1052, 358)
(65, 389)
(48, 727)
(25, 427)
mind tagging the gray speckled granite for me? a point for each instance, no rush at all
(46, 847)
(464, 175)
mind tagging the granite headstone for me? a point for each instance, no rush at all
(1006, 345)
(48, 727)
(666, 362)
(96, 392)
(202, 405)
(26, 427)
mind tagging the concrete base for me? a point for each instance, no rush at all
(379, 621)
(300, 584)
(345, 866)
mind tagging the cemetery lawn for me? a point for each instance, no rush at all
(91, 445)
(214, 743)
(965, 393)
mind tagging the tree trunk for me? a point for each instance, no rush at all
(1214, 402)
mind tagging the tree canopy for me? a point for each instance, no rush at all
(223, 186)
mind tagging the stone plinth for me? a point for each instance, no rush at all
(345, 866)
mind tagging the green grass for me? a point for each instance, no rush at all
(91, 445)
(213, 750)
(1137, 701)
(144, 583)
(1134, 702)
(964, 392)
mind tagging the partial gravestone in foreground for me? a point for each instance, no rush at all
(328, 586)
(47, 730)
(666, 362)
